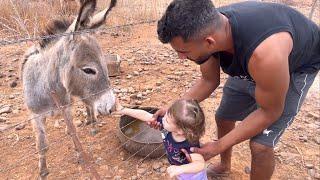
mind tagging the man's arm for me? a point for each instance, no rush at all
(270, 70)
(198, 164)
(209, 81)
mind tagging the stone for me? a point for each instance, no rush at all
(156, 166)
(94, 131)
(317, 140)
(78, 123)
(247, 170)
(129, 76)
(3, 127)
(311, 172)
(117, 178)
(113, 64)
(138, 102)
(317, 176)
(20, 126)
(13, 84)
(139, 95)
(135, 73)
(57, 124)
(141, 171)
(303, 138)
(12, 97)
(5, 109)
(309, 166)
(314, 115)
(3, 119)
(134, 177)
(163, 169)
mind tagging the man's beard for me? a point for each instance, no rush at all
(201, 59)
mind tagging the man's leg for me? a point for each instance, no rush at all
(237, 102)
(224, 166)
(262, 163)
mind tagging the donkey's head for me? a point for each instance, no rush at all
(82, 68)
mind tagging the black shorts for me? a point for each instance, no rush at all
(238, 101)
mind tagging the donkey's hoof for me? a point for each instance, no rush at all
(90, 121)
(43, 174)
(94, 131)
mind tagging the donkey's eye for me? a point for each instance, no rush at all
(89, 71)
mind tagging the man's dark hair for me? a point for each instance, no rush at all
(188, 19)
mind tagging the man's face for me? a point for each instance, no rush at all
(197, 51)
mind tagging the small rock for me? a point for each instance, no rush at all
(139, 95)
(141, 171)
(15, 111)
(314, 115)
(94, 131)
(311, 172)
(5, 109)
(135, 73)
(20, 126)
(317, 139)
(3, 119)
(121, 171)
(13, 84)
(134, 177)
(3, 127)
(129, 76)
(186, 64)
(78, 123)
(158, 83)
(156, 166)
(11, 97)
(247, 170)
(317, 176)
(117, 178)
(163, 169)
(57, 124)
(303, 138)
(309, 165)
(138, 102)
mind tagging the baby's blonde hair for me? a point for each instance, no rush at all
(189, 117)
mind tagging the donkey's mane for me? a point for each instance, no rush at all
(56, 26)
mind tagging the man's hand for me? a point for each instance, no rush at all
(208, 150)
(153, 122)
(174, 171)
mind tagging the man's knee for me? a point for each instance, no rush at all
(225, 124)
(260, 151)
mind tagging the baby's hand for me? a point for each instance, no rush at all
(119, 108)
(174, 171)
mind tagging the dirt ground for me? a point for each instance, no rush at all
(146, 65)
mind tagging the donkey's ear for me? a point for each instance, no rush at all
(86, 11)
(100, 18)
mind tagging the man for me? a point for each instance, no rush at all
(272, 54)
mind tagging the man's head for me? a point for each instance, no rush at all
(189, 25)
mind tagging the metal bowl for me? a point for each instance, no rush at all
(138, 138)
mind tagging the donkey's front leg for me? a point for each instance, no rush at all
(42, 144)
(91, 119)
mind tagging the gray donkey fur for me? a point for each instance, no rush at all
(68, 66)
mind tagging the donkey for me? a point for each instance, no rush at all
(69, 66)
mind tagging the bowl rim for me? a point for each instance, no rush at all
(122, 133)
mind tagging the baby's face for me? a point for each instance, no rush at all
(169, 123)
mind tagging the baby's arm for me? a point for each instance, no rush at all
(136, 113)
(197, 165)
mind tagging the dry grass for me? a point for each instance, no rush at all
(27, 18)
(21, 18)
